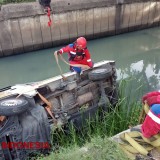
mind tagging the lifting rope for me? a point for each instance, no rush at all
(73, 65)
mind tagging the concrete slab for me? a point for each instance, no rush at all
(145, 13)
(55, 30)
(152, 11)
(124, 19)
(139, 14)
(26, 34)
(126, 9)
(46, 32)
(157, 13)
(97, 22)
(112, 13)
(81, 23)
(118, 18)
(63, 23)
(72, 25)
(104, 20)
(132, 19)
(16, 36)
(5, 39)
(89, 23)
(36, 33)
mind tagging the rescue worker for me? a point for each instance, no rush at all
(78, 54)
(151, 124)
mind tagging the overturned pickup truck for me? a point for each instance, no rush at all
(28, 111)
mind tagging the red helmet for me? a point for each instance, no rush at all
(81, 42)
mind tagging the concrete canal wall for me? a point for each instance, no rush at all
(23, 27)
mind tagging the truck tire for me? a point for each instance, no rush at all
(100, 74)
(13, 106)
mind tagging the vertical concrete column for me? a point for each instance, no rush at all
(55, 30)
(97, 22)
(139, 13)
(5, 39)
(81, 23)
(72, 25)
(16, 36)
(25, 28)
(1, 52)
(36, 33)
(104, 21)
(112, 16)
(152, 11)
(132, 19)
(89, 23)
(125, 17)
(157, 14)
(118, 18)
(145, 14)
(63, 22)
(46, 32)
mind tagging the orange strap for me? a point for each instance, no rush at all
(48, 107)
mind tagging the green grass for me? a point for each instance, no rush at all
(15, 1)
(97, 149)
(93, 135)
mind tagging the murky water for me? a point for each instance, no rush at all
(137, 55)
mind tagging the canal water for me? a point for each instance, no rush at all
(137, 56)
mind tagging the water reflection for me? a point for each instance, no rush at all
(136, 55)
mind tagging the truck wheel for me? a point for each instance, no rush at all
(12, 106)
(100, 74)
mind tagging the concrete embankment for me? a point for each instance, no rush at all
(23, 27)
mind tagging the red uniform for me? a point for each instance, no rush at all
(151, 124)
(77, 56)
